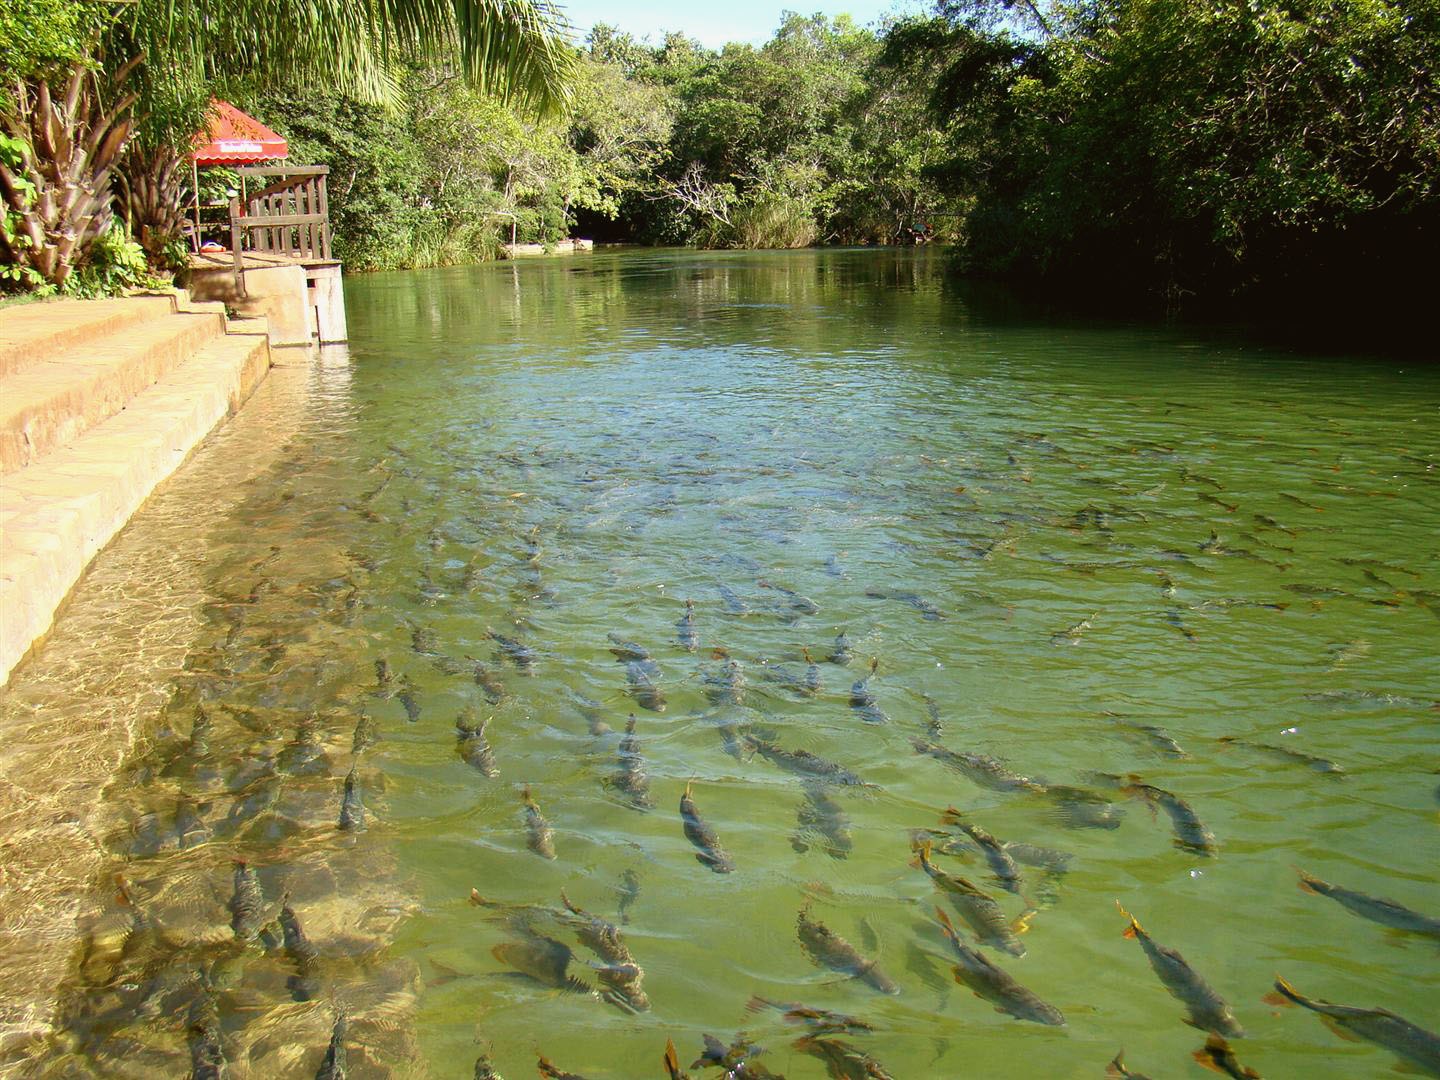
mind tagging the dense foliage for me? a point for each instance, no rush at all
(1187, 151)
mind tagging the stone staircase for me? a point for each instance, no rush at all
(99, 402)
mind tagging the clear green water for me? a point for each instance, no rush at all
(662, 425)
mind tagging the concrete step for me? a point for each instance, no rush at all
(55, 515)
(51, 402)
(33, 333)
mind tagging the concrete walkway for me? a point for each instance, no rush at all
(99, 402)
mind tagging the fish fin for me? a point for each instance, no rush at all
(1021, 922)
(672, 1062)
(757, 1003)
(945, 925)
(1117, 1065)
(1338, 1030)
(1206, 1061)
(1277, 998)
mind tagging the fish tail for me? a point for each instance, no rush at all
(874, 664)
(1134, 930)
(1309, 884)
(757, 1003)
(922, 855)
(672, 1062)
(1289, 993)
(951, 816)
(525, 796)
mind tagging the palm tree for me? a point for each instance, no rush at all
(515, 48)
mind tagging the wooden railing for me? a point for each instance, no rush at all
(289, 216)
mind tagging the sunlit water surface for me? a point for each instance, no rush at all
(1103, 528)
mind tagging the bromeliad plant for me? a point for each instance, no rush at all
(55, 182)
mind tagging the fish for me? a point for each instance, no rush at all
(492, 687)
(829, 949)
(841, 653)
(304, 984)
(933, 727)
(819, 1021)
(539, 837)
(423, 639)
(1157, 738)
(927, 610)
(1117, 1068)
(591, 711)
(333, 1065)
(520, 655)
(1002, 863)
(731, 603)
(408, 700)
(1271, 523)
(543, 959)
(626, 651)
(1217, 1056)
(788, 678)
(728, 687)
(628, 892)
(630, 775)
(1080, 808)
(207, 1054)
(709, 851)
(366, 734)
(973, 905)
(352, 809)
(802, 762)
(685, 628)
(1320, 765)
(1071, 634)
(842, 1061)
(1229, 508)
(621, 977)
(1299, 501)
(1042, 858)
(811, 681)
(801, 604)
(1190, 832)
(303, 755)
(737, 1059)
(978, 768)
(1207, 1010)
(190, 827)
(1375, 908)
(247, 904)
(1417, 1046)
(383, 678)
(994, 984)
(550, 1072)
(821, 815)
(862, 701)
(641, 676)
(471, 744)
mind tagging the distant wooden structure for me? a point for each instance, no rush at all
(279, 233)
(286, 221)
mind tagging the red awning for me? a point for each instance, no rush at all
(236, 139)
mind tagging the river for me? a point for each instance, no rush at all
(1072, 564)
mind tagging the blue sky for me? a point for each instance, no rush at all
(714, 24)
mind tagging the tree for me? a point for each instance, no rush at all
(512, 47)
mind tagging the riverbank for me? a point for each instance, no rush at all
(99, 402)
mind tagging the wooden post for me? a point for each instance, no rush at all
(324, 225)
(237, 271)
